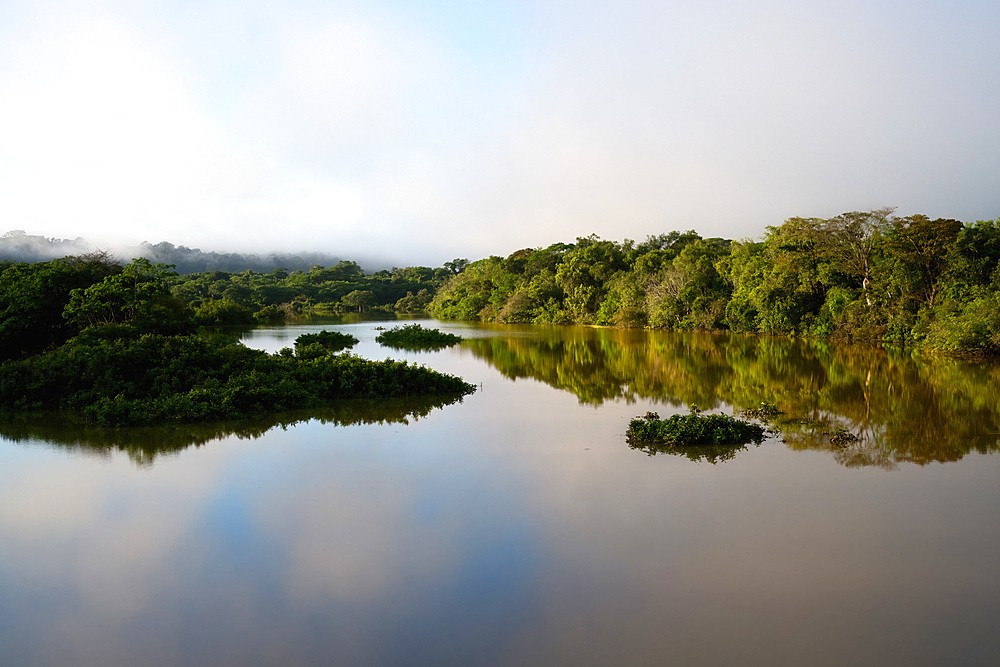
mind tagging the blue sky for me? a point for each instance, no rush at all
(412, 133)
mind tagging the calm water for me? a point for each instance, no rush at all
(517, 527)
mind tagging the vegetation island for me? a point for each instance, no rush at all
(416, 337)
(114, 345)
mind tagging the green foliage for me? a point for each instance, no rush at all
(222, 311)
(416, 337)
(358, 299)
(33, 297)
(467, 295)
(280, 294)
(326, 341)
(456, 266)
(137, 296)
(972, 329)
(269, 315)
(155, 378)
(919, 246)
(414, 303)
(715, 436)
(689, 292)
(864, 276)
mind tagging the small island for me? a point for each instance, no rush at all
(113, 346)
(416, 337)
(697, 436)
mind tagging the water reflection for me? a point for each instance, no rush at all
(144, 445)
(709, 453)
(518, 528)
(904, 407)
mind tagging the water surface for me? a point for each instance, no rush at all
(517, 527)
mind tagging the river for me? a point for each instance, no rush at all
(517, 526)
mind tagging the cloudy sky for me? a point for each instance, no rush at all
(415, 132)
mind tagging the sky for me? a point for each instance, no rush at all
(407, 133)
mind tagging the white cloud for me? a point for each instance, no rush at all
(365, 129)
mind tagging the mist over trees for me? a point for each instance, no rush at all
(17, 246)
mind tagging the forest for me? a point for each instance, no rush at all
(865, 276)
(245, 297)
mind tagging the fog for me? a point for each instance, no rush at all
(16, 246)
(405, 135)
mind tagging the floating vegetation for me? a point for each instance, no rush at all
(765, 412)
(713, 438)
(312, 345)
(842, 437)
(415, 337)
(152, 379)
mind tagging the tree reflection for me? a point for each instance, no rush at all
(709, 453)
(145, 444)
(904, 407)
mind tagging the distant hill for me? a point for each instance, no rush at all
(21, 247)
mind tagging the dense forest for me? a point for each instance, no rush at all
(868, 276)
(222, 297)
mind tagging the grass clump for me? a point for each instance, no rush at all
(710, 437)
(415, 337)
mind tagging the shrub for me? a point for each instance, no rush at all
(330, 341)
(222, 311)
(415, 337)
(697, 436)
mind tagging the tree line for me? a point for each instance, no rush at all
(865, 275)
(868, 276)
(242, 298)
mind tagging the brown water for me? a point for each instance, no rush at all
(517, 527)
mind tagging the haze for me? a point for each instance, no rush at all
(415, 134)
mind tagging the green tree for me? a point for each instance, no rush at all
(851, 239)
(456, 266)
(584, 273)
(921, 246)
(137, 296)
(33, 296)
(359, 299)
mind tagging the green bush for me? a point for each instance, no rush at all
(415, 337)
(325, 341)
(712, 437)
(222, 311)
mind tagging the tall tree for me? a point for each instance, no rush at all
(851, 239)
(921, 245)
